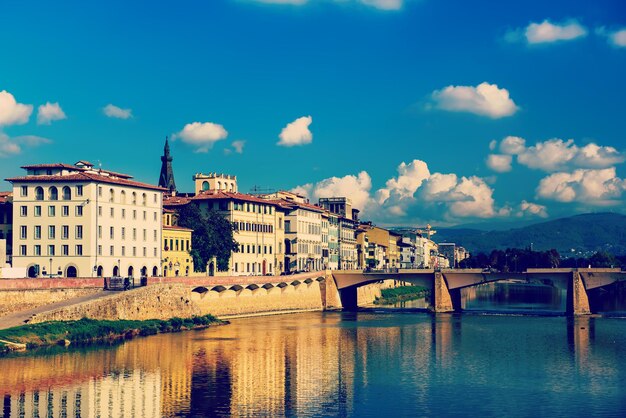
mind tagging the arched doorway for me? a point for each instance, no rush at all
(144, 271)
(211, 269)
(32, 272)
(155, 271)
(164, 271)
(71, 272)
(131, 271)
(99, 271)
(116, 271)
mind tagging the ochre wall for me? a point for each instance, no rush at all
(19, 300)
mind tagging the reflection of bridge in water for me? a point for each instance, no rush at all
(446, 285)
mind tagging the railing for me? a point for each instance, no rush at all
(123, 283)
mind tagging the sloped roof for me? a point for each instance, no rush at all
(86, 177)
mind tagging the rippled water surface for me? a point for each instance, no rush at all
(337, 364)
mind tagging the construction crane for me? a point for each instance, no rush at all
(428, 231)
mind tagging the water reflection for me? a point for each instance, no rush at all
(514, 296)
(336, 364)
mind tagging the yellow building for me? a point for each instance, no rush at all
(177, 260)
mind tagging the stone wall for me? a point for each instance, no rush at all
(153, 302)
(366, 295)
(305, 296)
(18, 300)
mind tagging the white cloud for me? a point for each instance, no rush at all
(410, 178)
(12, 112)
(296, 133)
(238, 146)
(558, 155)
(618, 38)
(377, 4)
(202, 135)
(464, 197)
(48, 112)
(589, 186)
(485, 100)
(500, 163)
(493, 144)
(357, 188)
(13, 146)
(532, 209)
(113, 111)
(512, 145)
(547, 32)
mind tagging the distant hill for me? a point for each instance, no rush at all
(584, 234)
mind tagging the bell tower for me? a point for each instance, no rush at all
(166, 179)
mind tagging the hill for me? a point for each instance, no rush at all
(572, 236)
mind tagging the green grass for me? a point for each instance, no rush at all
(91, 330)
(397, 294)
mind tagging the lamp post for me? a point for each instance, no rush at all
(119, 268)
(50, 269)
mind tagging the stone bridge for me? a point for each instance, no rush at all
(446, 285)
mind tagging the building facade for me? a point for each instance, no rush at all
(78, 221)
(6, 224)
(177, 260)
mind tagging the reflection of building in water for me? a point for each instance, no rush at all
(128, 394)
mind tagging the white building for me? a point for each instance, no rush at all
(78, 221)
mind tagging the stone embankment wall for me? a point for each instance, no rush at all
(161, 301)
(366, 295)
(19, 300)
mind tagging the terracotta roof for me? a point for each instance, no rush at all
(177, 228)
(175, 200)
(85, 176)
(165, 210)
(289, 204)
(52, 165)
(222, 194)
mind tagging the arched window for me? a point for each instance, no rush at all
(38, 193)
(111, 195)
(122, 197)
(134, 198)
(205, 185)
(144, 199)
(155, 271)
(67, 193)
(53, 193)
(219, 185)
(231, 187)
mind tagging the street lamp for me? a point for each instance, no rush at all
(50, 269)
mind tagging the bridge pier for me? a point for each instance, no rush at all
(349, 298)
(577, 299)
(442, 300)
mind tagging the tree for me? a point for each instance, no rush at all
(212, 236)
(603, 259)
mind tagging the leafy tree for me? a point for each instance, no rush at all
(212, 236)
(603, 259)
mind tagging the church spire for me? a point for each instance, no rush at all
(166, 179)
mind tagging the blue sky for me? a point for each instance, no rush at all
(421, 111)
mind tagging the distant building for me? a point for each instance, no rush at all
(448, 250)
(215, 181)
(177, 260)
(6, 225)
(79, 221)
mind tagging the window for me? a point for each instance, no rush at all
(24, 191)
(134, 251)
(37, 210)
(65, 249)
(67, 193)
(111, 232)
(22, 250)
(79, 249)
(155, 198)
(155, 235)
(99, 231)
(134, 234)
(79, 232)
(65, 232)
(53, 193)
(52, 211)
(38, 193)
(51, 232)
(154, 251)
(99, 249)
(144, 199)
(134, 198)
(112, 212)
(145, 252)
(111, 252)
(79, 211)
(155, 216)
(99, 210)
(23, 230)
(123, 197)
(37, 231)
(144, 215)
(134, 214)
(145, 235)
(37, 250)
(123, 213)
(123, 251)
(79, 190)
(100, 191)
(123, 233)
(111, 195)
(65, 211)
(23, 211)
(50, 249)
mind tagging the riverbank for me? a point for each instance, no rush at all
(400, 294)
(87, 331)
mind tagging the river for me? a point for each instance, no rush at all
(392, 363)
